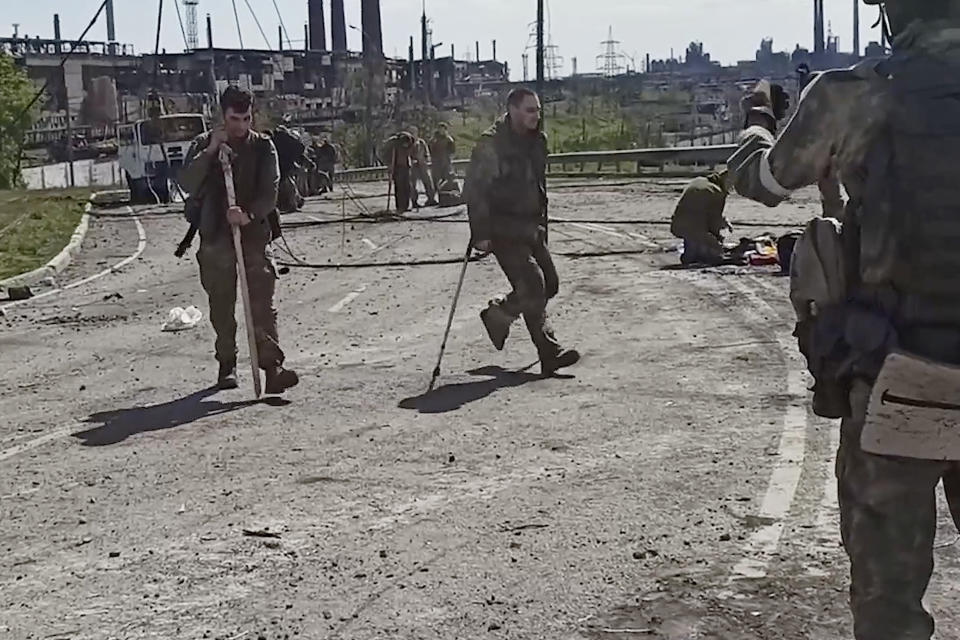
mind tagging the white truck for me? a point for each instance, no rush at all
(152, 151)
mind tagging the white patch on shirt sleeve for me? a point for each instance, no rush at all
(767, 179)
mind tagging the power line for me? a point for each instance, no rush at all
(257, 20)
(186, 42)
(63, 62)
(283, 26)
(236, 17)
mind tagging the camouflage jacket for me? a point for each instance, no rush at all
(841, 113)
(700, 208)
(506, 184)
(442, 147)
(838, 117)
(420, 154)
(256, 177)
(397, 148)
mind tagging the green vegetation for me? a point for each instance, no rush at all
(35, 226)
(16, 92)
(577, 123)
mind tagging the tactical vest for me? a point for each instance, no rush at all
(908, 223)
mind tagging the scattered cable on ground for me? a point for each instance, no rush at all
(573, 255)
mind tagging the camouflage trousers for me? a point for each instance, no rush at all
(702, 248)
(888, 519)
(288, 197)
(401, 187)
(441, 171)
(529, 268)
(218, 275)
(419, 173)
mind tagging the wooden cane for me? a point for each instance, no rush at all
(393, 164)
(225, 154)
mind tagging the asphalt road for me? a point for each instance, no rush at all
(674, 486)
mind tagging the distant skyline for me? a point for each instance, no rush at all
(730, 31)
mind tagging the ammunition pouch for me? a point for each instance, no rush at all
(821, 341)
(842, 343)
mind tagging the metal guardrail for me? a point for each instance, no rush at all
(661, 157)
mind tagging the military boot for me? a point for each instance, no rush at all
(497, 322)
(227, 377)
(280, 379)
(549, 365)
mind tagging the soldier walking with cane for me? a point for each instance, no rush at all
(506, 193)
(253, 160)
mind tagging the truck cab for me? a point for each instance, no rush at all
(152, 151)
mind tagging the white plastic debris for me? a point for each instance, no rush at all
(180, 319)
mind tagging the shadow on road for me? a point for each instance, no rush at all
(451, 397)
(116, 426)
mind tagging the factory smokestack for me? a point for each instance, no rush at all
(818, 32)
(318, 28)
(372, 29)
(111, 26)
(209, 32)
(856, 28)
(56, 33)
(338, 26)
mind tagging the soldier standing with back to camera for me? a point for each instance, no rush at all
(885, 349)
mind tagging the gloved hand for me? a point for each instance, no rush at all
(780, 101)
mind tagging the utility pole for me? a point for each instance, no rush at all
(69, 149)
(540, 49)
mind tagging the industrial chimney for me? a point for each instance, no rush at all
(372, 30)
(318, 28)
(818, 32)
(56, 33)
(111, 27)
(856, 29)
(338, 26)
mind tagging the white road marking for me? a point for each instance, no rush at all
(645, 240)
(601, 229)
(826, 527)
(56, 434)
(347, 299)
(369, 243)
(592, 226)
(782, 489)
(141, 245)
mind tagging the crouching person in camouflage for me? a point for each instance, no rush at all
(507, 205)
(880, 312)
(256, 176)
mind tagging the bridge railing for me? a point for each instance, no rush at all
(662, 158)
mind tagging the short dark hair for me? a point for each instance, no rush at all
(235, 98)
(516, 97)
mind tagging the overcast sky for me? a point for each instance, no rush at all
(731, 30)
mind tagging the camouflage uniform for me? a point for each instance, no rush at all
(859, 122)
(506, 194)
(325, 156)
(698, 219)
(290, 153)
(256, 176)
(419, 171)
(442, 147)
(397, 150)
